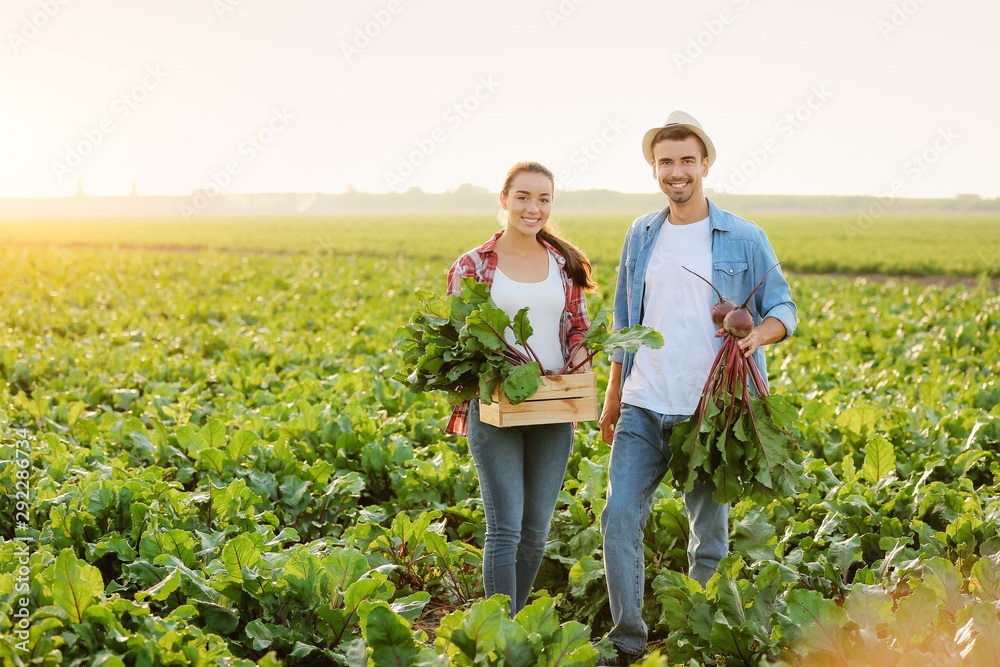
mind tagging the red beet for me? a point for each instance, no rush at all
(738, 323)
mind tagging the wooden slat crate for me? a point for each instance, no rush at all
(561, 398)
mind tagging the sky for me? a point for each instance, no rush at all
(858, 97)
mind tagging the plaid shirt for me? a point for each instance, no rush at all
(481, 264)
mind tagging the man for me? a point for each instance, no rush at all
(652, 390)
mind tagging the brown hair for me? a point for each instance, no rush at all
(677, 133)
(577, 265)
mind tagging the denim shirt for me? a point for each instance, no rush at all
(741, 254)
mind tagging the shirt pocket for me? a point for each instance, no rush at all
(730, 278)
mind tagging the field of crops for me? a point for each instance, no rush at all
(894, 244)
(206, 461)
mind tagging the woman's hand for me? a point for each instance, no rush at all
(579, 357)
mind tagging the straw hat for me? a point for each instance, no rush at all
(682, 119)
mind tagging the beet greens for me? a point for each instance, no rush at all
(737, 438)
(456, 344)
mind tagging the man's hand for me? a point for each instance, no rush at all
(612, 404)
(771, 330)
(750, 344)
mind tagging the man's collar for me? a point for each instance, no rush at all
(717, 219)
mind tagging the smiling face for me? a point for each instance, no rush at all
(528, 202)
(679, 167)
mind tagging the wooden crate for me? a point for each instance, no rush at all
(561, 398)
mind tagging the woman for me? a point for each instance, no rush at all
(521, 468)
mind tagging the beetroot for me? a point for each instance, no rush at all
(738, 323)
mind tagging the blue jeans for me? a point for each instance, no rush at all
(521, 470)
(639, 461)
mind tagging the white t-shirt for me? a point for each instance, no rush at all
(678, 305)
(545, 301)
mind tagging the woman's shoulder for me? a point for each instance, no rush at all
(475, 260)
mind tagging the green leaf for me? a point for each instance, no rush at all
(161, 590)
(870, 606)
(570, 647)
(946, 582)
(985, 578)
(389, 638)
(487, 325)
(239, 554)
(474, 632)
(858, 419)
(75, 585)
(240, 445)
(260, 633)
(597, 332)
(521, 326)
(345, 566)
(539, 618)
(411, 606)
(842, 554)
(220, 619)
(631, 339)
(514, 645)
(585, 570)
(755, 536)
(730, 600)
(880, 459)
(820, 623)
(914, 617)
(850, 475)
(522, 382)
(733, 639)
(983, 647)
(375, 589)
(474, 292)
(781, 410)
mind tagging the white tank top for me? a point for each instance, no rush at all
(546, 302)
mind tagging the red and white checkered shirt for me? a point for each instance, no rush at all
(480, 264)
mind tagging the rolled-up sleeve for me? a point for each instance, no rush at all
(579, 319)
(458, 271)
(621, 306)
(774, 298)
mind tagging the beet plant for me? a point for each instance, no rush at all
(737, 439)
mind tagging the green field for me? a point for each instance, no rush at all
(901, 245)
(209, 462)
